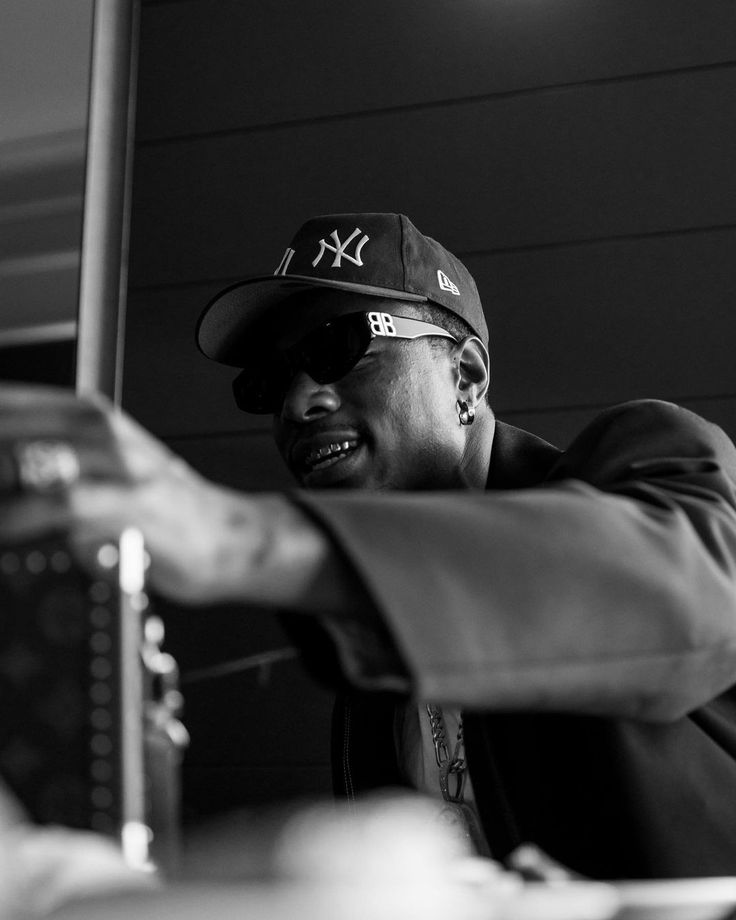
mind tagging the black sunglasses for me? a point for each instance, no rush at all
(326, 353)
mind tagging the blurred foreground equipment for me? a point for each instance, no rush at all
(89, 704)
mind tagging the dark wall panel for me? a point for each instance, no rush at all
(247, 461)
(168, 385)
(560, 426)
(246, 725)
(612, 321)
(597, 161)
(219, 66)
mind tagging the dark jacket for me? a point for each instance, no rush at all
(582, 611)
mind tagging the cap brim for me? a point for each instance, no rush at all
(226, 320)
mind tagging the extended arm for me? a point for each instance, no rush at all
(609, 589)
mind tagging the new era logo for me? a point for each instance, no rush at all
(445, 283)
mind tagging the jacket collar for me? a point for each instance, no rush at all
(519, 459)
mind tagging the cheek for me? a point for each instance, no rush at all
(421, 412)
(434, 400)
(382, 396)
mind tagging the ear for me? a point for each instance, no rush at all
(473, 370)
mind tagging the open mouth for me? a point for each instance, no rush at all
(322, 458)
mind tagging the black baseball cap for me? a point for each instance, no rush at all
(382, 255)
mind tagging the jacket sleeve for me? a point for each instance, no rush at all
(609, 589)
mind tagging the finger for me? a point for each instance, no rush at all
(145, 456)
(59, 865)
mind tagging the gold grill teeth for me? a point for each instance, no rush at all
(323, 452)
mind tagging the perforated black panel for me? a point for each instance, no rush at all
(59, 688)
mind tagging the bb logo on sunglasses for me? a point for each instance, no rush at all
(381, 324)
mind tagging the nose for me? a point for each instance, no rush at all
(306, 400)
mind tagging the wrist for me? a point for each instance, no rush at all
(270, 553)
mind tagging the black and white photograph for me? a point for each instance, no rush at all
(367, 462)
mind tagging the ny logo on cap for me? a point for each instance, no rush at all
(284, 263)
(339, 248)
(446, 284)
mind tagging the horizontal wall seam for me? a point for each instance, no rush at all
(593, 407)
(151, 142)
(474, 253)
(601, 240)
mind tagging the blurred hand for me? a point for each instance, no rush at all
(55, 866)
(42, 868)
(208, 544)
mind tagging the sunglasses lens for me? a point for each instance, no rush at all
(333, 349)
(326, 354)
(261, 386)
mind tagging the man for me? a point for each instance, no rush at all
(578, 606)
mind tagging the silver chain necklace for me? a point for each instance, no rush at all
(451, 768)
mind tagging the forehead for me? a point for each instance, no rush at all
(302, 312)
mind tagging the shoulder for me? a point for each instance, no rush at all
(654, 422)
(640, 437)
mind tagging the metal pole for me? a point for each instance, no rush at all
(105, 233)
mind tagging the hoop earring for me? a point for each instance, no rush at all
(465, 413)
